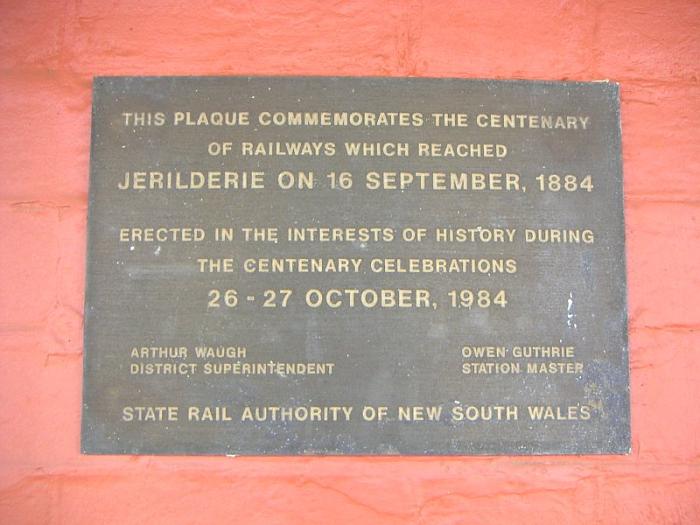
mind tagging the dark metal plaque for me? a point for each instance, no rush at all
(283, 266)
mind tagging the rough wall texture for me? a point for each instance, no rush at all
(49, 52)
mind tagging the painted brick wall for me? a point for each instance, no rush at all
(48, 53)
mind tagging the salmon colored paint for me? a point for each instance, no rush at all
(49, 52)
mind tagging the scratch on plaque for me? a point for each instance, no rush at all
(570, 311)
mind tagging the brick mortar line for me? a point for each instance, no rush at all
(35, 73)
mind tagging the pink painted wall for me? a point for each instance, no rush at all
(49, 52)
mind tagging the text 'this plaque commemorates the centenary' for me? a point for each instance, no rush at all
(355, 266)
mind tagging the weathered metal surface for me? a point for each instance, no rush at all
(485, 283)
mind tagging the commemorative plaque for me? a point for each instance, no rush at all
(285, 266)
